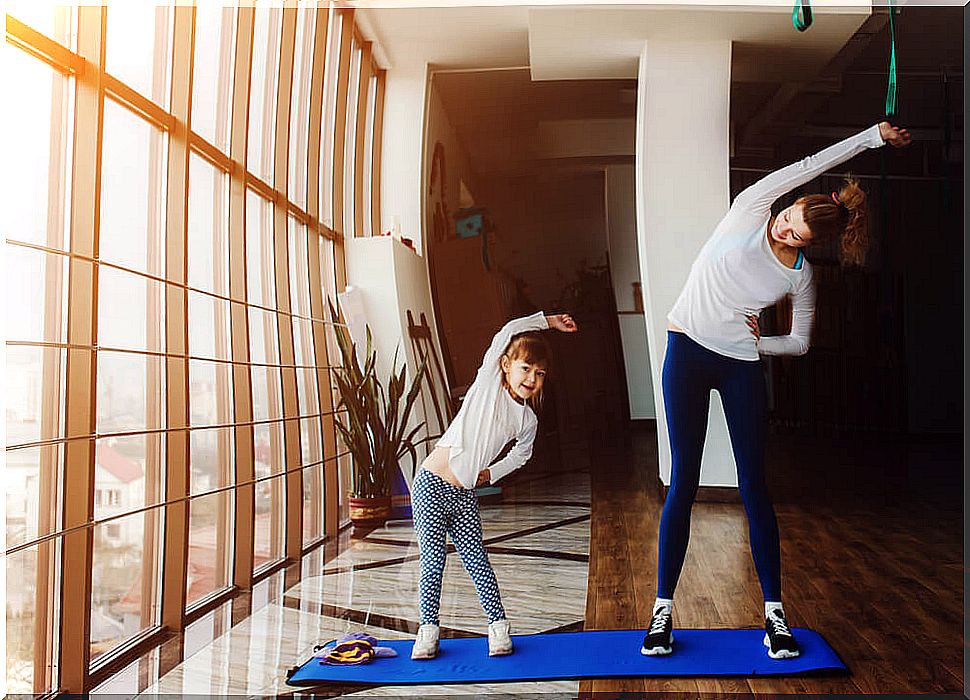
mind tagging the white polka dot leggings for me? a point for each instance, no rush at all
(440, 508)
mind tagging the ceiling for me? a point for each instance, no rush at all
(577, 64)
(498, 115)
(571, 42)
(583, 40)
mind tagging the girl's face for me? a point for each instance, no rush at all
(789, 227)
(523, 380)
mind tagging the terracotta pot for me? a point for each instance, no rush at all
(370, 512)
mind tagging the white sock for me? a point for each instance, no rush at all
(771, 606)
(663, 603)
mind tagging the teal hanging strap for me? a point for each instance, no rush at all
(886, 282)
(801, 16)
(891, 90)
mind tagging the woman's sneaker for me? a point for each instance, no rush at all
(426, 643)
(499, 638)
(778, 637)
(660, 635)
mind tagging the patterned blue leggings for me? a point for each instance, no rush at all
(440, 508)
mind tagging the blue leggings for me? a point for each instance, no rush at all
(690, 372)
(440, 508)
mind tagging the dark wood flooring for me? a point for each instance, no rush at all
(872, 558)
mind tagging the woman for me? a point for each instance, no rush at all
(751, 261)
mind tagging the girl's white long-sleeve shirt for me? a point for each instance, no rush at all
(736, 274)
(489, 417)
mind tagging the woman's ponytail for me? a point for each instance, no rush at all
(843, 214)
(855, 240)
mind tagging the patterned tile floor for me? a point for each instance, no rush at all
(538, 540)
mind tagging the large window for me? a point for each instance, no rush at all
(305, 371)
(328, 130)
(350, 144)
(264, 355)
(37, 270)
(366, 157)
(210, 397)
(300, 105)
(263, 89)
(215, 37)
(130, 379)
(168, 345)
(138, 47)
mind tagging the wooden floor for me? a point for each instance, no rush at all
(872, 558)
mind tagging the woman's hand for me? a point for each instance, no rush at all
(753, 326)
(893, 135)
(484, 477)
(562, 322)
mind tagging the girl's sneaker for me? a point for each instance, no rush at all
(778, 637)
(499, 639)
(659, 638)
(426, 643)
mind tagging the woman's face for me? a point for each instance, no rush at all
(524, 380)
(789, 227)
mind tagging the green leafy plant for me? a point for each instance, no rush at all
(371, 419)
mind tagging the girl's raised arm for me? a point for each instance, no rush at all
(490, 363)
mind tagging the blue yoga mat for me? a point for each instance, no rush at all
(573, 655)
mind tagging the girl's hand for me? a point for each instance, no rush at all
(894, 135)
(753, 326)
(562, 322)
(483, 478)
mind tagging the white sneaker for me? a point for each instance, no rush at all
(499, 639)
(426, 643)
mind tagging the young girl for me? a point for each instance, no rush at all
(498, 407)
(750, 262)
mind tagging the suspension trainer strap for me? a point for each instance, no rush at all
(801, 16)
(891, 89)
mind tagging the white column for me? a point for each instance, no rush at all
(682, 192)
(392, 280)
(402, 177)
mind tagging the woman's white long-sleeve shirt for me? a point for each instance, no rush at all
(736, 274)
(489, 417)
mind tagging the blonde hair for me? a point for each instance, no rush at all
(842, 214)
(530, 347)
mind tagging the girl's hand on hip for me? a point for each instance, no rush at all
(753, 326)
(484, 477)
(893, 135)
(562, 322)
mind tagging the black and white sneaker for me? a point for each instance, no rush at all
(778, 637)
(659, 637)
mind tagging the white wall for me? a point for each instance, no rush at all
(572, 138)
(682, 192)
(625, 270)
(440, 129)
(402, 179)
(393, 279)
(458, 169)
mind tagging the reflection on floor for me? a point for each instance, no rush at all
(871, 551)
(538, 541)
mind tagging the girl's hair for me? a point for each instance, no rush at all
(530, 347)
(843, 213)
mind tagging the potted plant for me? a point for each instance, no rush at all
(373, 424)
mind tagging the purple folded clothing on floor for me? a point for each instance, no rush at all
(352, 649)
